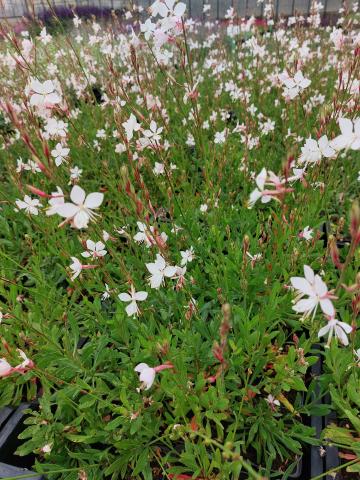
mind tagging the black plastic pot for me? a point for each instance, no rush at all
(11, 425)
(322, 460)
(8, 471)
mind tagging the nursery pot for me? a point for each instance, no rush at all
(11, 425)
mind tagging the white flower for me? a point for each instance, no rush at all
(159, 270)
(187, 256)
(32, 166)
(159, 169)
(43, 94)
(30, 205)
(21, 165)
(75, 173)
(313, 151)
(55, 202)
(5, 368)
(46, 448)
(316, 290)
(75, 267)
(204, 208)
(154, 133)
(120, 148)
(45, 37)
(307, 233)
(167, 7)
(147, 28)
(81, 210)
(272, 401)
(133, 297)
(94, 250)
(26, 361)
(147, 374)
(55, 128)
(60, 153)
(350, 135)
(220, 137)
(295, 85)
(340, 329)
(106, 294)
(131, 126)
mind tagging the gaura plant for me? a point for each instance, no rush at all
(166, 188)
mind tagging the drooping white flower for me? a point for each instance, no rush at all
(60, 153)
(258, 192)
(81, 210)
(159, 270)
(350, 135)
(30, 205)
(147, 375)
(338, 329)
(132, 297)
(94, 250)
(44, 94)
(315, 288)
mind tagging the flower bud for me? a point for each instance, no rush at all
(334, 252)
(355, 223)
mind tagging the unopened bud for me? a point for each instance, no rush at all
(355, 223)
(334, 252)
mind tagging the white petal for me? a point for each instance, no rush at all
(81, 219)
(305, 305)
(327, 307)
(140, 296)
(179, 9)
(324, 330)
(339, 332)
(125, 297)
(140, 367)
(261, 178)
(67, 210)
(131, 309)
(77, 195)
(309, 274)
(94, 200)
(156, 280)
(320, 286)
(160, 262)
(302, 285)
(346, 126)
(90, 245)
(345, 326)
(147, 376)
(169, 271)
